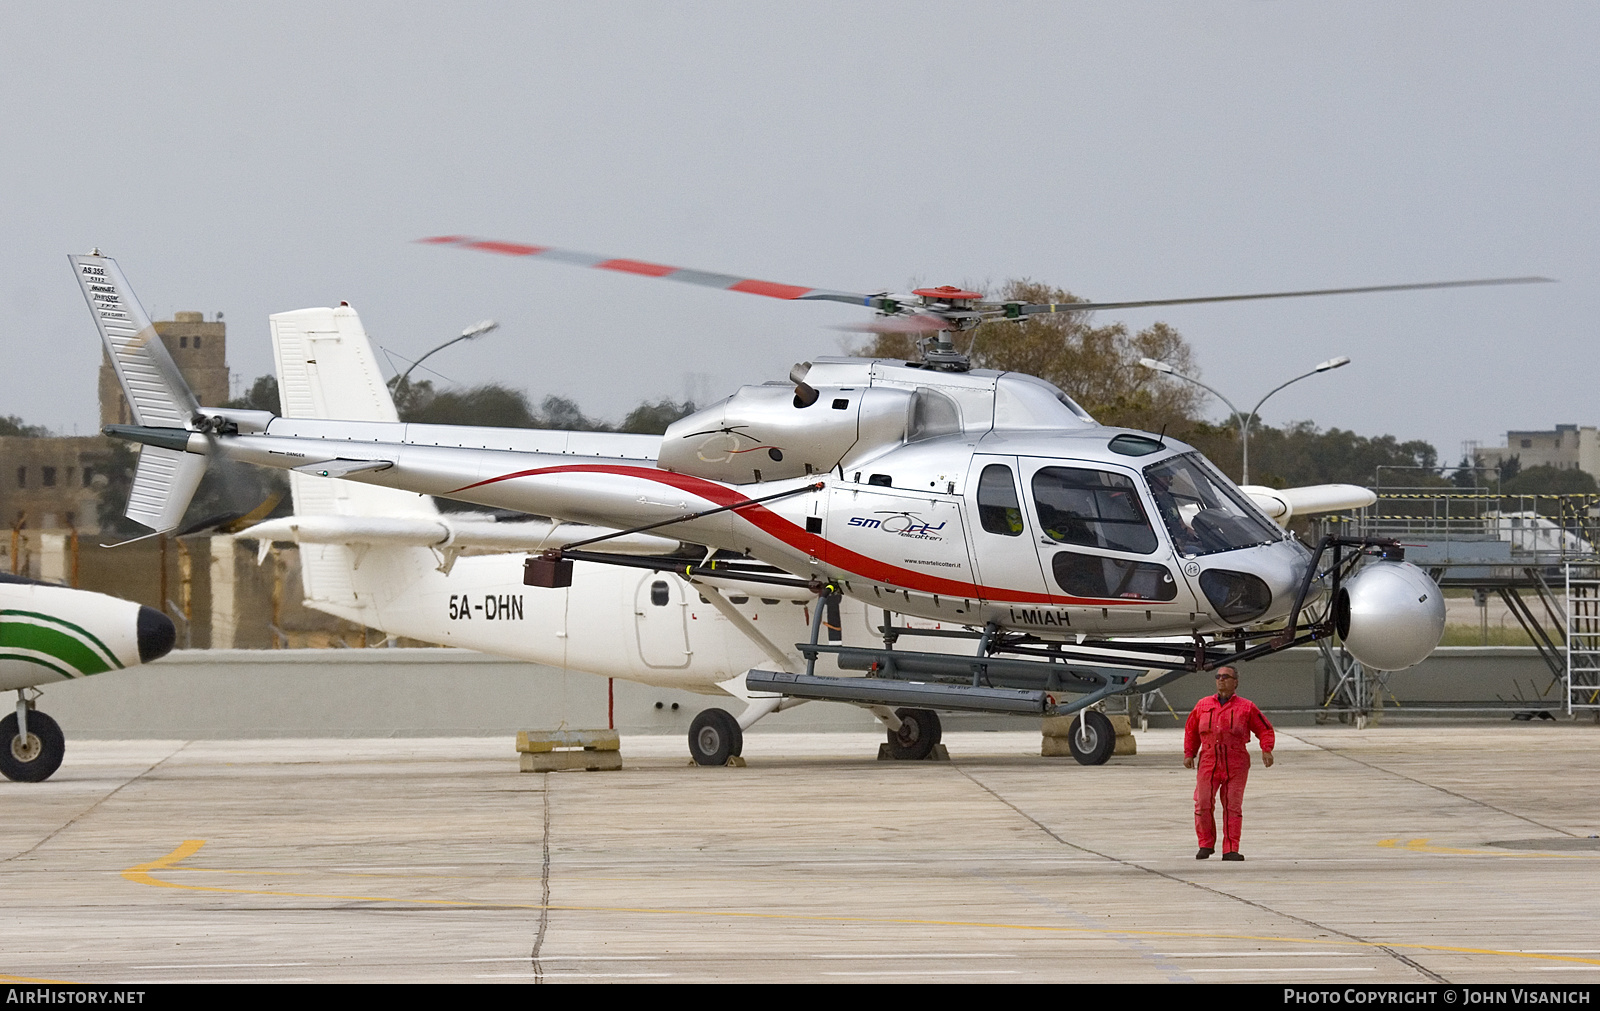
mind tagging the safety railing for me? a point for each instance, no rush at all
(1530, 529)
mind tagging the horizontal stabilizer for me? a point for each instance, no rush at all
(342, 467)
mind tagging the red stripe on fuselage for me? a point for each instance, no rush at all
(795, 537)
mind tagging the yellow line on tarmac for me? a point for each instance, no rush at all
(141, 874)
(1421, 846)
(29, 979)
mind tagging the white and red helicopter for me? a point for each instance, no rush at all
(1060, 561)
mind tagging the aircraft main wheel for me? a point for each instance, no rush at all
(1091, 738)
(35, 758)
(715, 737)
(918, 735)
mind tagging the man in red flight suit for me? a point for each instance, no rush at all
(1219, 727)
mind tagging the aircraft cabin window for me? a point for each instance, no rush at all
(660, 595)
(932, 414)
(1112, 578)
(1203, 511)
(1095, 508)
(999, 510)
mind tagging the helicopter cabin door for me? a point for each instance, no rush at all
(1098, 547)
(1003, 535)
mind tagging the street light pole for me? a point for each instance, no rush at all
(474, 331)
(1243, 420)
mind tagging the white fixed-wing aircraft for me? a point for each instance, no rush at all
(1157, 543)
(50, 634)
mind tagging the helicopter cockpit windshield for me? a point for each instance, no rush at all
(1202, 511)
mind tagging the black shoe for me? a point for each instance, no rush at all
(1205, 853)
(1233, 856)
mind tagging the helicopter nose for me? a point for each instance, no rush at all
(157, 634)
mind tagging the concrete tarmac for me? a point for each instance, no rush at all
(1390, 855)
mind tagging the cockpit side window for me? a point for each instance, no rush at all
(1094, 508)
(1203, 512)
(932, 414)
(999, 510)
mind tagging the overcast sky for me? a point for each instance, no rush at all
(253, 161)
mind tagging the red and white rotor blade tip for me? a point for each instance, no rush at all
(708, 279)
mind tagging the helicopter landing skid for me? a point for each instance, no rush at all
(905, 689)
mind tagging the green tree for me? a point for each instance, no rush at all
(1547, 480)
(262, 396)
(10, 424)
(1300, 453)
(653, 418)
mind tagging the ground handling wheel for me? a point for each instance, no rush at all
(35, 758)
(1092, 738)
(715, 737)
(918, 735)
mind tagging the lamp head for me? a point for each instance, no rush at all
(480, 328)
(1155, 366)
(1334, 363)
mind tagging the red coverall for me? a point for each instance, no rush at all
(1219, 730)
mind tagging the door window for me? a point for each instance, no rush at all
(999, 510)
(1112, 578)
(1094, 508)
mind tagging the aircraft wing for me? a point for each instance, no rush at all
(1284, 503)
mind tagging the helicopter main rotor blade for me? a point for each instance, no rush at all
(1032, 309)
(726, 282)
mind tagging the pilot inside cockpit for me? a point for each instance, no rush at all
(1202, 511)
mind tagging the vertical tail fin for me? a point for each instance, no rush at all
(326, 369)
(158, 397)
(156, 392)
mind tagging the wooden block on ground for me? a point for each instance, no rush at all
(1057, 747)
(1054, 747)
(1059, 726)
(562, 761)
(536, 741)
(940, 753)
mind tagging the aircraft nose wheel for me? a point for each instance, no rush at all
(34, 758)
(715, 737)
(918, 735)
(1091, 738)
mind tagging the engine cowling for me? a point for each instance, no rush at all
(1390, 615)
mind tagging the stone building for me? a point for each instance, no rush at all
(1566, 447)
(199, 349)
(54, 483)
